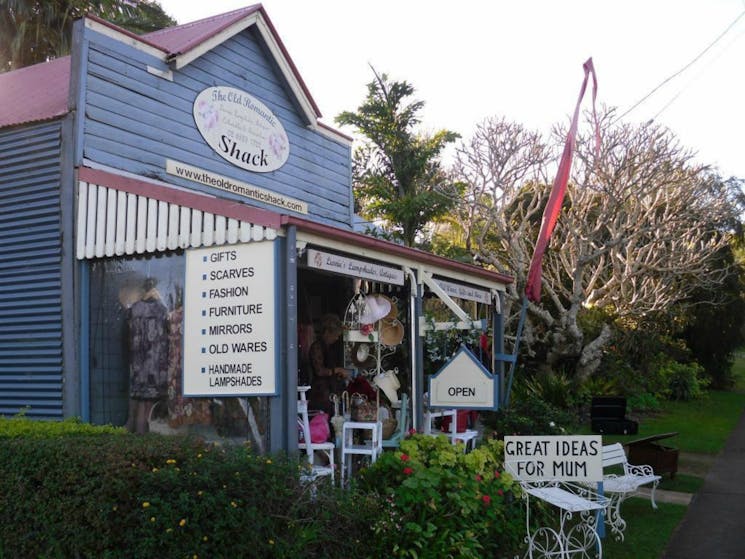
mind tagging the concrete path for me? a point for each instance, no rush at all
(714, 525)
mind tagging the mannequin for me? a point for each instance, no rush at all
(148, 353)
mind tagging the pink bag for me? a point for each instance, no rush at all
(319, 428)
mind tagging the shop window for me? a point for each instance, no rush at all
(135, 362)
(323, 310)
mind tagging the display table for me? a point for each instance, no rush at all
(578, 538)
(359, 438)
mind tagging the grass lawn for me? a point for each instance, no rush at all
(703, 426)
(647, 531)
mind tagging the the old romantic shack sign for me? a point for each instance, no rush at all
(241, 129)
(541, 458)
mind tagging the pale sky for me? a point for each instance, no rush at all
(522, 59)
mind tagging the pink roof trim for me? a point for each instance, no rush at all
(35, 93)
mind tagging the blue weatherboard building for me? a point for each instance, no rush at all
(176, 222)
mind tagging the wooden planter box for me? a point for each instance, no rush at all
(663, 459)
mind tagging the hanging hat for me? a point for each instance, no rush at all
(391, 332)
(362, 356)
(375, 308)
(393, 313)
(389, 384)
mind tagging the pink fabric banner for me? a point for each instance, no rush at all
(553, 208)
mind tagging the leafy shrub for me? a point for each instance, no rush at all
(441, 502)
(98, 493)
(644, 402)
(685, 381)
(528, 415)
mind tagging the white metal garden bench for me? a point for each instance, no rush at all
(620, 486)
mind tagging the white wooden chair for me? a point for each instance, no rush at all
(325, 465)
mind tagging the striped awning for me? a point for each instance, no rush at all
(112, 222)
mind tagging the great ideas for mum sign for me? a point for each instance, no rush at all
(574, 458)
(241, 129)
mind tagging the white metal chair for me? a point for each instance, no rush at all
(326, 449)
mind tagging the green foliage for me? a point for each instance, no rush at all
(714, 332)
(441, 502)
(20, 426)
(684, 380)
(528, 414)
(33, 31)
(116, 495)
(643, 402)
(397, 175)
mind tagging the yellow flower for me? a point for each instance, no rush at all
(155, 470)
(169, 530)
(271, 542)
(152, 519)
(114, 507)
(145, 504)
(199, 455)
(182, 522)
(170, 461)
(200, 492)
(205, 538)
(269, 461)
(233, 504)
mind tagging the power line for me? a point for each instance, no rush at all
(682, 89)
(684, 68)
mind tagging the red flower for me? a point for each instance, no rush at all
(412, 431)
(496, 473)
(404, 457)
(408, 471)
(486, 499)
(500, 492)
(478, 477)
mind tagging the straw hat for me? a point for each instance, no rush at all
(391, 332)
(376, 307)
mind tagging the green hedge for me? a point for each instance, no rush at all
(69, 490)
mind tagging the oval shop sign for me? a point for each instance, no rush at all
(241, 129)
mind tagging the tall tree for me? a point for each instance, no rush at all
(397, 172)
(33, 31)
(641, 229)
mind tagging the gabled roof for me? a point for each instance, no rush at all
(180, 45)
(182, 38)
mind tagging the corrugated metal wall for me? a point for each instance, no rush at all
(30, 272)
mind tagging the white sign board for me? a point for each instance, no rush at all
(465, 291)
(229, 321)
(463, 382)
(543, 458)
(241, 129)
(355, 268)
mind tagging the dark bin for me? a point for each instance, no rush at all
(663, 459)
(608, 416)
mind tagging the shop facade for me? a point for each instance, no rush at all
(178, 222)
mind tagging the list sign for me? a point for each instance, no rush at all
(229, 322)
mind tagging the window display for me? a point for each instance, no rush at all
(136, 356)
